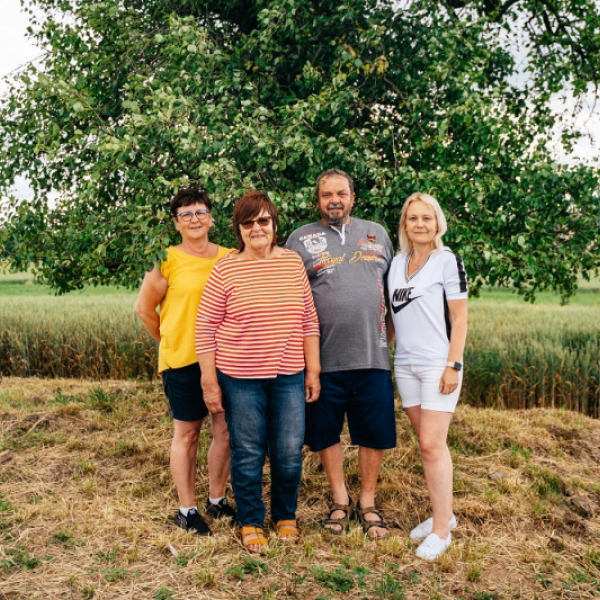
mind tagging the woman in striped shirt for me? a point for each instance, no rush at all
(257, 341)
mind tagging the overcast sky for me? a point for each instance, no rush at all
(16, 50)
(14, 47)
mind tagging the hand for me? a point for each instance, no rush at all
(449, 381)
(312, 387)
(213, 397)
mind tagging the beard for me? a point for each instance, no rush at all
(341, 216)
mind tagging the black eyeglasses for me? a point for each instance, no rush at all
(262, 221)
(186, 216)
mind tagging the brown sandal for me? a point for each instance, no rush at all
(368, 524)
(329, 524)
(253, 536)
(287, 530)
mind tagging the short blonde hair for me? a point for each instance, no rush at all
(405, 244)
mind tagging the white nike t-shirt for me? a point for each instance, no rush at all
(419, 306)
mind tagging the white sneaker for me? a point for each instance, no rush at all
(433, 547)
(422, 530)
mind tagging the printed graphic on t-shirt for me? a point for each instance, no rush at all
(383, 343)
(324, 262)
(359, 256)
(402, 297)
(368, 250)
(370, 245)
(315, 243)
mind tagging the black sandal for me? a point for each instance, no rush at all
(368, 524)
(329, 524)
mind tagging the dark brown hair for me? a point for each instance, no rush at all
(189, 196)
(249, 206)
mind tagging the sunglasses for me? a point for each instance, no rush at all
(262, 221)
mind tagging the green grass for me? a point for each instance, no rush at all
(24, 284)
(588, 295)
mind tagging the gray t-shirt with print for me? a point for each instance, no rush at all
(347, 270)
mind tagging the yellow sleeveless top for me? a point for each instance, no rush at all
(186, 277)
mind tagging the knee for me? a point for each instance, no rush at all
(221, 438)
(220, 433)
(188, 439)
(290, 453)
(287, 461)
(432, 449)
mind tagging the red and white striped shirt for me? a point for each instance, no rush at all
(255, 314)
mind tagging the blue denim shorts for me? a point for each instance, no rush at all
(182, 388)
(366, 396)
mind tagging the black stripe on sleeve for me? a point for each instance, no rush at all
(447, 317)
(462, 275)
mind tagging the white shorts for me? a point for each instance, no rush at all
(418, 385)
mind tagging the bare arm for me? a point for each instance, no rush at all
(458, 339)
(389, 327)
(213, 398)
(152, 292)
(312, 358)
(389, 322)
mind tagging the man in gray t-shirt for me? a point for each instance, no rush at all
(347, 260)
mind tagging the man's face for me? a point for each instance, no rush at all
(335, 200)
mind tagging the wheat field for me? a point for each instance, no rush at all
(518, 355)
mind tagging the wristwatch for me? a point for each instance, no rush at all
(454, 365)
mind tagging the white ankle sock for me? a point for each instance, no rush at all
(215, 500)
(184, 511)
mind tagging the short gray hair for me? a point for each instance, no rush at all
(333, 173)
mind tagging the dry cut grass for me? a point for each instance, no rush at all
(86, 501)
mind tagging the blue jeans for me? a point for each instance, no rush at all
(265, 417)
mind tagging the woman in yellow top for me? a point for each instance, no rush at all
(176, 288)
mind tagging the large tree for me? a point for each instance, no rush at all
(135, 99)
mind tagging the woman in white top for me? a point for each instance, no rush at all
(427, 287)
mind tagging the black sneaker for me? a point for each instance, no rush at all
(192, 521)
(220, 510)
